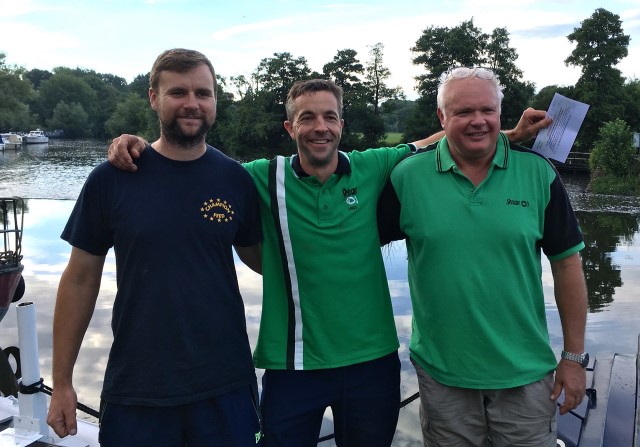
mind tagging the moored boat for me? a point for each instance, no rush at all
(35, 136)
(11, 140)
(11, 282)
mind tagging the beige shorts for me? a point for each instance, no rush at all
(522, 416)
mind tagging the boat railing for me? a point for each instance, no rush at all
(12, 216)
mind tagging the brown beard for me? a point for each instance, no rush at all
(173, 133)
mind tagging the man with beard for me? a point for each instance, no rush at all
(180, 370)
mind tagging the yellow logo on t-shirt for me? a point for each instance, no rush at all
(217, 211)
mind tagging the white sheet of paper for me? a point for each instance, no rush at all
(556, 140)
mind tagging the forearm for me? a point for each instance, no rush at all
(571, 298)
(73, 312)
(75, 302)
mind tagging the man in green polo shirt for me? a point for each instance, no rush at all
(476, 213)
(327, 335)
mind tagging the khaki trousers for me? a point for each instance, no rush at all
(515, 417)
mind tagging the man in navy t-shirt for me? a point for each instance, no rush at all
(180, 370)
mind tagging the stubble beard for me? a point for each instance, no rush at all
(316, 161)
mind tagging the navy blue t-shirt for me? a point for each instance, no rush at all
(178, 318)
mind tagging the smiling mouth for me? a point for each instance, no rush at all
(319, 141)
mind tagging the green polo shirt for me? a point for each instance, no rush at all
(326, 301)
(475, 263)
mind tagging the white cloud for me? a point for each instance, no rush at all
(250, 28)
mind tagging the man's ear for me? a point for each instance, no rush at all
(441, 117)
(288, 125)
(153, 99)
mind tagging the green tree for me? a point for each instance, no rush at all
(631, 98)
(543, 98)
(242, 85)
(376, 76)
(600, 45)
(253, 129)
(277, 74)
(346, 71)
(613, 152)
(441, 48)
(255, 122)
(71, 118)
(365, 89)
(140, 86)
(36, 76)
(68, 88)
(110, 90)
(500, 57)
(223, 116)
(369, 121)
(15, 92)
(134, 116)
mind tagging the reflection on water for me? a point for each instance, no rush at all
(604, 233)
(611, 261)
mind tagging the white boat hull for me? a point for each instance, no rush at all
(34, 140)
(11, 141)
(35, 136)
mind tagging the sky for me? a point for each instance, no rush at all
(123, 37)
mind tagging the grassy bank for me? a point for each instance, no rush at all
(612, 184)
(393, 139)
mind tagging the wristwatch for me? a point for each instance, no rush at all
(581, 359)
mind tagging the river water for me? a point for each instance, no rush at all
(51, 176)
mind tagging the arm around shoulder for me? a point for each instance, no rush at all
(124, 149)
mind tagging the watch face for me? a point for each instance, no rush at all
(585, 360)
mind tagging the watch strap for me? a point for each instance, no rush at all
(578, 358)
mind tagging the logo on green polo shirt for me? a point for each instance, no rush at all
(350, 197)
(522, 203)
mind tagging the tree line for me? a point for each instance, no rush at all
(251, 110)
